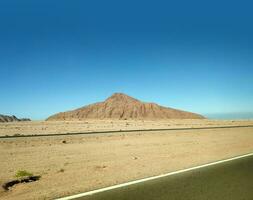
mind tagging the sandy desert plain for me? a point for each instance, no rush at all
(71, 164)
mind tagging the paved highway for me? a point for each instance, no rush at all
(119, 131)
(228, 180)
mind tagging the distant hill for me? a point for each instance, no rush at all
(13, 118)
(122, 106)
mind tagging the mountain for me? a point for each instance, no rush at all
(122, 106)
(13, 118)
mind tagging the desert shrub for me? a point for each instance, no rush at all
(22, 173)
(61, 170)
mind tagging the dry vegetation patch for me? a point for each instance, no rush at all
(22, 176)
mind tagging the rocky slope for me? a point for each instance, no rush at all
(121, 106)
(13, 118)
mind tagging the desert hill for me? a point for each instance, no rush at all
(13, 118)
(122, 106)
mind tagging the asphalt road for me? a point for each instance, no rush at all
(24, 135)
(231, 180)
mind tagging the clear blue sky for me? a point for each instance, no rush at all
(60, 55)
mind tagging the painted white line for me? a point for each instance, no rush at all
(152, 178)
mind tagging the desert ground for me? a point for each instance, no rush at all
(78, 163)
(55, 127)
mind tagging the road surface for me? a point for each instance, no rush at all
(23, 135)
(230, 180)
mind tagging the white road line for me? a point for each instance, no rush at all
(152, 178)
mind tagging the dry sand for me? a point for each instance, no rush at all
(52, 127)
(88, 162)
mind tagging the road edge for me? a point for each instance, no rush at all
(153, 177)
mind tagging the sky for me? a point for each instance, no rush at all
(191, 55)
